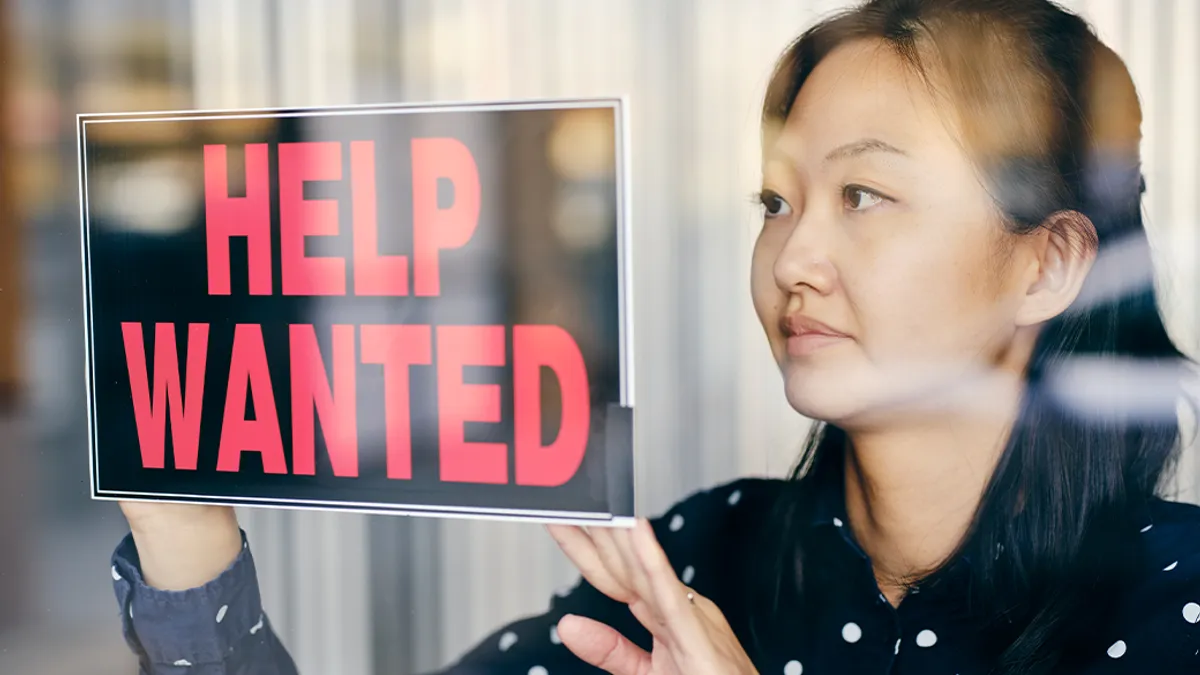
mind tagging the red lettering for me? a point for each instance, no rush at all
(374, 274)
(248, 374)
(151, 417)
(434, 228)
(459, 402)
(248, 217)
(550, 346)
(300, 218)
(336, 407)
(396, 348)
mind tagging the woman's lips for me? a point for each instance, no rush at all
(806, 335)
(807, 343)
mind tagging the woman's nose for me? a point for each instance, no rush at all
(804, 261)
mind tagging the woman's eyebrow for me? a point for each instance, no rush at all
(790, 155)
(862, 146)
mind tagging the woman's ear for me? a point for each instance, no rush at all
(1063, 252)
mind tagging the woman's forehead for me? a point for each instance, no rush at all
(861, 92)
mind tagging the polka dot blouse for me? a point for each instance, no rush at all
(713, 538)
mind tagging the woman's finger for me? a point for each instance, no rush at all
(636, 579)
(668, 593)
(605, 540)
(581, 550)
(602, 646)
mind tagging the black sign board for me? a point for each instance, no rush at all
(407, 309)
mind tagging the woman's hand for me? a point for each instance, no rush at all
(182, 546)
(691, 636)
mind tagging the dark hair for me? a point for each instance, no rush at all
(1051, 118)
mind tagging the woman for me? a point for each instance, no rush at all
(947, 184)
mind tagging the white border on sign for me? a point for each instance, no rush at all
(592, 519)
(620, 106)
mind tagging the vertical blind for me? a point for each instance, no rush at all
(359, 595)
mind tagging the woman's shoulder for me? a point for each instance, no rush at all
(717, 507)
(711, 535)
(1157, 618)
(1171, 534)
(1173, 512)
(710, 523)
(709, 517)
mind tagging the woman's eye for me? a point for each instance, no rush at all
(774, 205)
(860, 199)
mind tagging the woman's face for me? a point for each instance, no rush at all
(882, 274)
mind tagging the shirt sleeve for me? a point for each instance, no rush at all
(217, 629)
(221, 629)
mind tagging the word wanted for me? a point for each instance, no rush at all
(327, 390)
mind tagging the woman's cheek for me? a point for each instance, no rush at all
(763, 289)
(898, 312)
(768, 303)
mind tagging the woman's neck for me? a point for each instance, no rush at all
(912, 489)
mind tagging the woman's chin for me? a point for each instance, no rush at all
(845, 397)
(849, 395)
(823, 399)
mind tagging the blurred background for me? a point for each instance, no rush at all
(360, 595)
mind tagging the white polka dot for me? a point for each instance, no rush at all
(507, 641)
(734, 498)
(897, 651)
(538, 670)
(1191, 612)
(258, 626)
(1117, 650)
(1170, 567)
(554, 635)
(115, 574)
(221, 613)
(851, 632)
(1147, 528)
(837, 521)
(676, 523)
(926, 638)
(183, 662)
(689, 573)
(793, 668)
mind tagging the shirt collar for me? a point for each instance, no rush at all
(829, 509)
